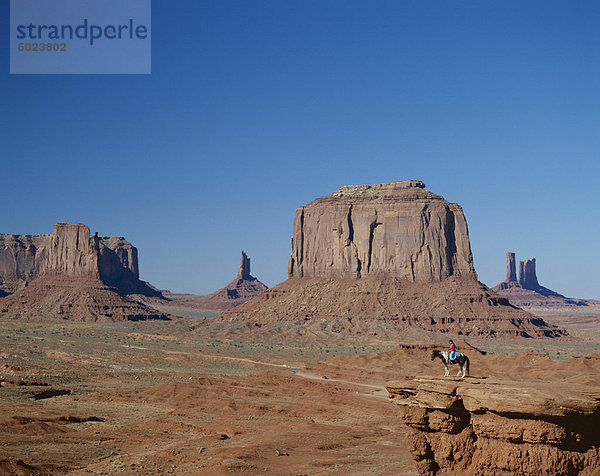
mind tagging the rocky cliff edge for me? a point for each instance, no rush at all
(502, 427)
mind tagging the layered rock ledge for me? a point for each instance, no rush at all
(501, 427)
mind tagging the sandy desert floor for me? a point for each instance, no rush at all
(158, 398)
(151, 398)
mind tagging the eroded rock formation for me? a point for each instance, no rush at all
(396, 228)
(529, 294)
(527, 274)
(70, 275)
(244, 269)
(376, 260)
(241, 289)
(511, 270)
(70, 251)
(500, 427)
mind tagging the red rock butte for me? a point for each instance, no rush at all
(526, 291)
(397, 228)
(70, 275)
(379, 260)
(71, 251)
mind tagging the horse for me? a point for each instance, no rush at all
(461, 360)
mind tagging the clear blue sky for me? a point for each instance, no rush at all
(254, 108)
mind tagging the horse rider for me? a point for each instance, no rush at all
(452, 353)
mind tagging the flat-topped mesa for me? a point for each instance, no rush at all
(373, 262)
(69, 251)
(397, 228)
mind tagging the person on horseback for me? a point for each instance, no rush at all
(452, 353)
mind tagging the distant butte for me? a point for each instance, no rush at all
(71, 275)
(378, 260)
(243, 287)
(70, 250)
(526, 292)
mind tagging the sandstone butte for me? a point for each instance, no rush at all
(526, 292)
(397, 229)
(241, 289)
(71, 275)
(376, 260)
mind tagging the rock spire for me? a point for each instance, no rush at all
(527, 274)
(244, 269)
(511, 270)
(241, 289)
(528, 293)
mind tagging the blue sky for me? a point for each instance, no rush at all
(254, 108)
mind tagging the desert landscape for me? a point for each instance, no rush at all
(329, 372)
(278, 237)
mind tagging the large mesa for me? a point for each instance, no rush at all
(374, 261)
(397, 228)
